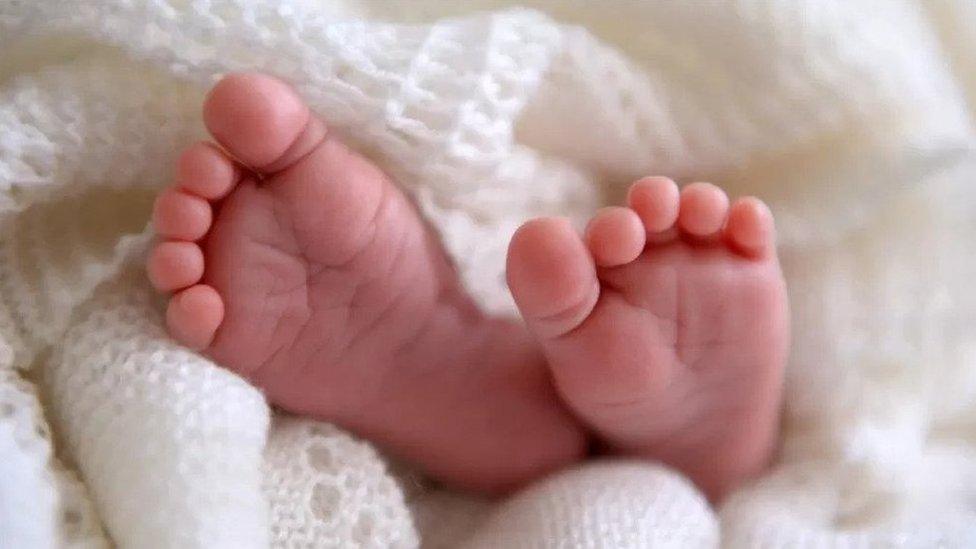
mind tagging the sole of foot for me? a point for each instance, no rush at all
(296, 263)
(665, 326)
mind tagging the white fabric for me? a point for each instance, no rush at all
(853, 118)
(27, 494)
(619, 504)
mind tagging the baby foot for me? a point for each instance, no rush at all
(296, 263)
(665, 327)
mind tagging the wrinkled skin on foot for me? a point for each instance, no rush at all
(296, 263)
(665, 326)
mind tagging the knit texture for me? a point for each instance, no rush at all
(854, 120)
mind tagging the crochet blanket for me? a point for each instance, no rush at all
(854, 119)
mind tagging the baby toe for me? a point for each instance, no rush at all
(174, 265)
(703, 209)
(615, 236)
(551, 275)
(194, 315)
(181, 216)
(205, 171)
(750, 228)
(655, 199)
(261, 121)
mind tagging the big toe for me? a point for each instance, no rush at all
(552, 276)
(261, 121)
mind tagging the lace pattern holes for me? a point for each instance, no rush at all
(320, 457)
(325, 501)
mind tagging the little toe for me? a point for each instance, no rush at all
(174, 265)
(750, 228)
(261, 121)
(181, 216)
(194, 315)
(552, 276)
(615, 236)
(703, 209)
(205, 171)
(655, 199)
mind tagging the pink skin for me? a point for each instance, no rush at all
(296, 263)
(673, 351)
(299, 265)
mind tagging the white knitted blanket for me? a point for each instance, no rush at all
(854, 119)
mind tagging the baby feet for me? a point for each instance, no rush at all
(295, 262)
(665, 327)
